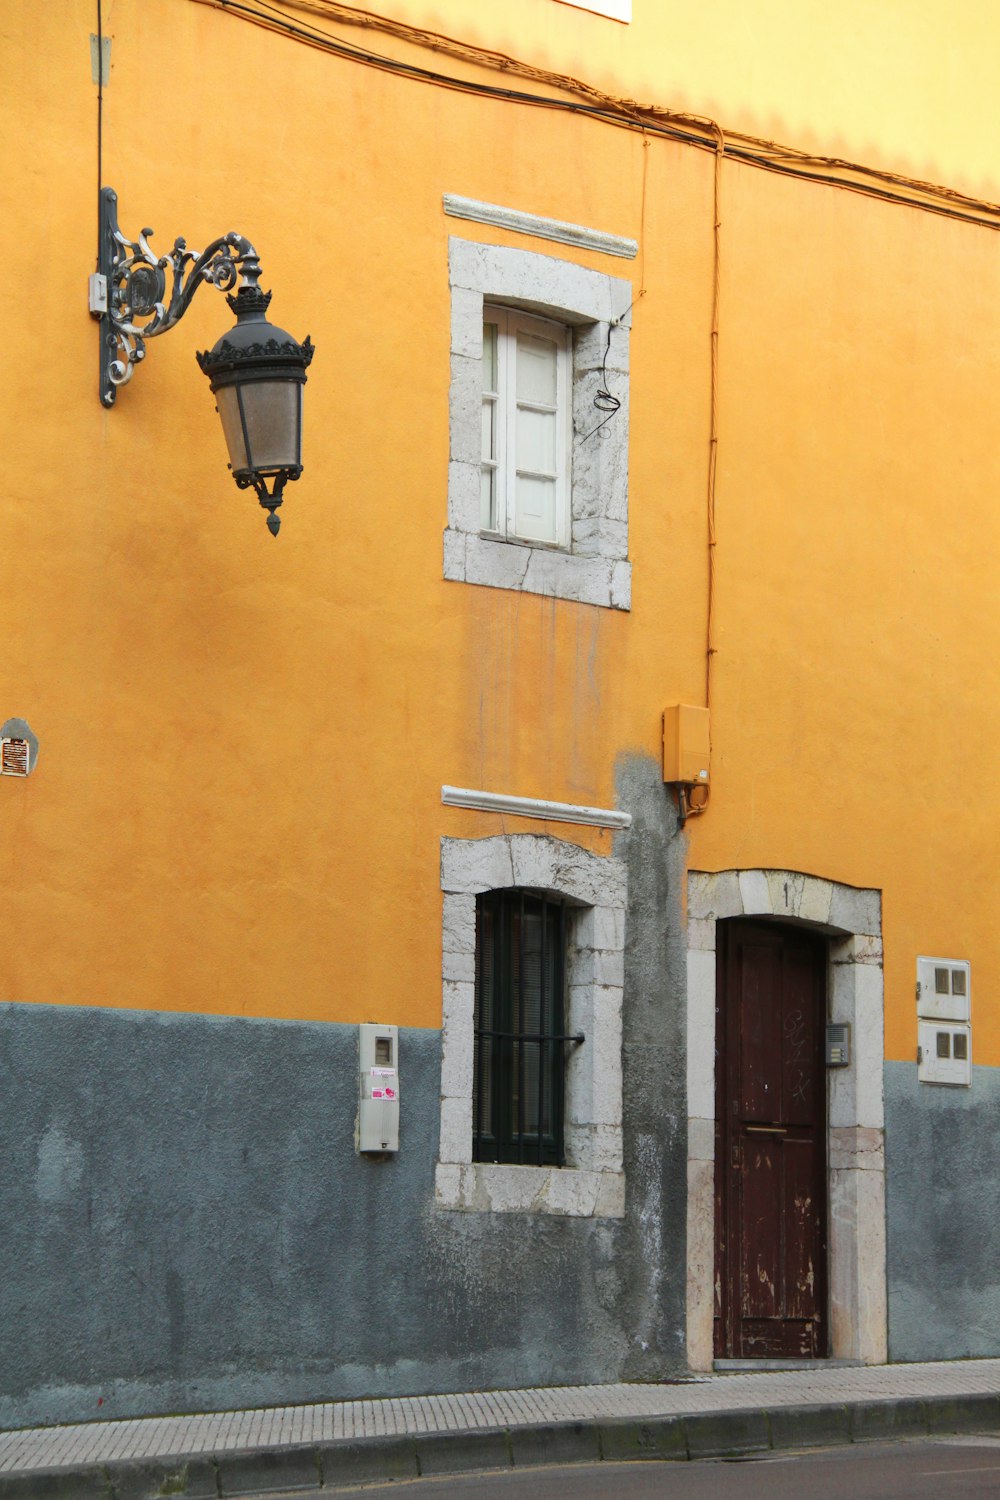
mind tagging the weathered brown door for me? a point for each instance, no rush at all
(770, 1143)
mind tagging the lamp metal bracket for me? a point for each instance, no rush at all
(137, 294)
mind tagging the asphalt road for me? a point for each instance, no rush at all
(968, 1467)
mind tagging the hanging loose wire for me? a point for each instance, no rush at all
(603, 399)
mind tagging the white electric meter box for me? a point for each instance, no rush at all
(944, 989)
(944, 1053)
(944, 1021)
(378, 1108)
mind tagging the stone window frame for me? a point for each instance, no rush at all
(592, 1183)
(851, 918)
(594, 569)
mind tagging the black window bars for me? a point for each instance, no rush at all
(520, 1030)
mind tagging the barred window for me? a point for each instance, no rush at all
(532, 948)
(519, 1027)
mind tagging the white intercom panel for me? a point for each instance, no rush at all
(944, 1021)
(378, 1109)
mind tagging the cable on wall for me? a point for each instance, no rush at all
(100, 125)
(604, 400)
(690, 129)
(688, 807)
(697, 131)
(713, 429)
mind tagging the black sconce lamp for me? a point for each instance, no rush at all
(256, 371)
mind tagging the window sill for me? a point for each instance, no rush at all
(524, 541)
(537, 568)
(491, 1187)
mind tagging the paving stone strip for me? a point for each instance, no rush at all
(290, 1447)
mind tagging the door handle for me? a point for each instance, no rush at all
(766, 1129)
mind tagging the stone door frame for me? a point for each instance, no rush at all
(851, 919)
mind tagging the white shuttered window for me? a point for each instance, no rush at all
(526, 414)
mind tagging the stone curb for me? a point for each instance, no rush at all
(696, 1435)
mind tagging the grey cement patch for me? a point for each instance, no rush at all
(186, 1225)
(654, 1073)
(943, 1209)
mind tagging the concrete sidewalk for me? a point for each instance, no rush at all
(281, 1449)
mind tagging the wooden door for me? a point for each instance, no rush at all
(771, 1285)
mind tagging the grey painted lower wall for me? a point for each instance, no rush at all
(943, 1208)
(185, 1225)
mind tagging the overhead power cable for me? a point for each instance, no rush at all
(689, 129)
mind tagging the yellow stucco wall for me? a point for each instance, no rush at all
(904, 85)
(237, 803)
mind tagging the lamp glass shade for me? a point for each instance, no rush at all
(227, 401)
(262, 422)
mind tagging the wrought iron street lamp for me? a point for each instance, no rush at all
(256, 371)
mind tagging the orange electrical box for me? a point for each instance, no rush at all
(685, 744)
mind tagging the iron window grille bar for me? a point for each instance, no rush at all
(541, 1036)
(519, 1095)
